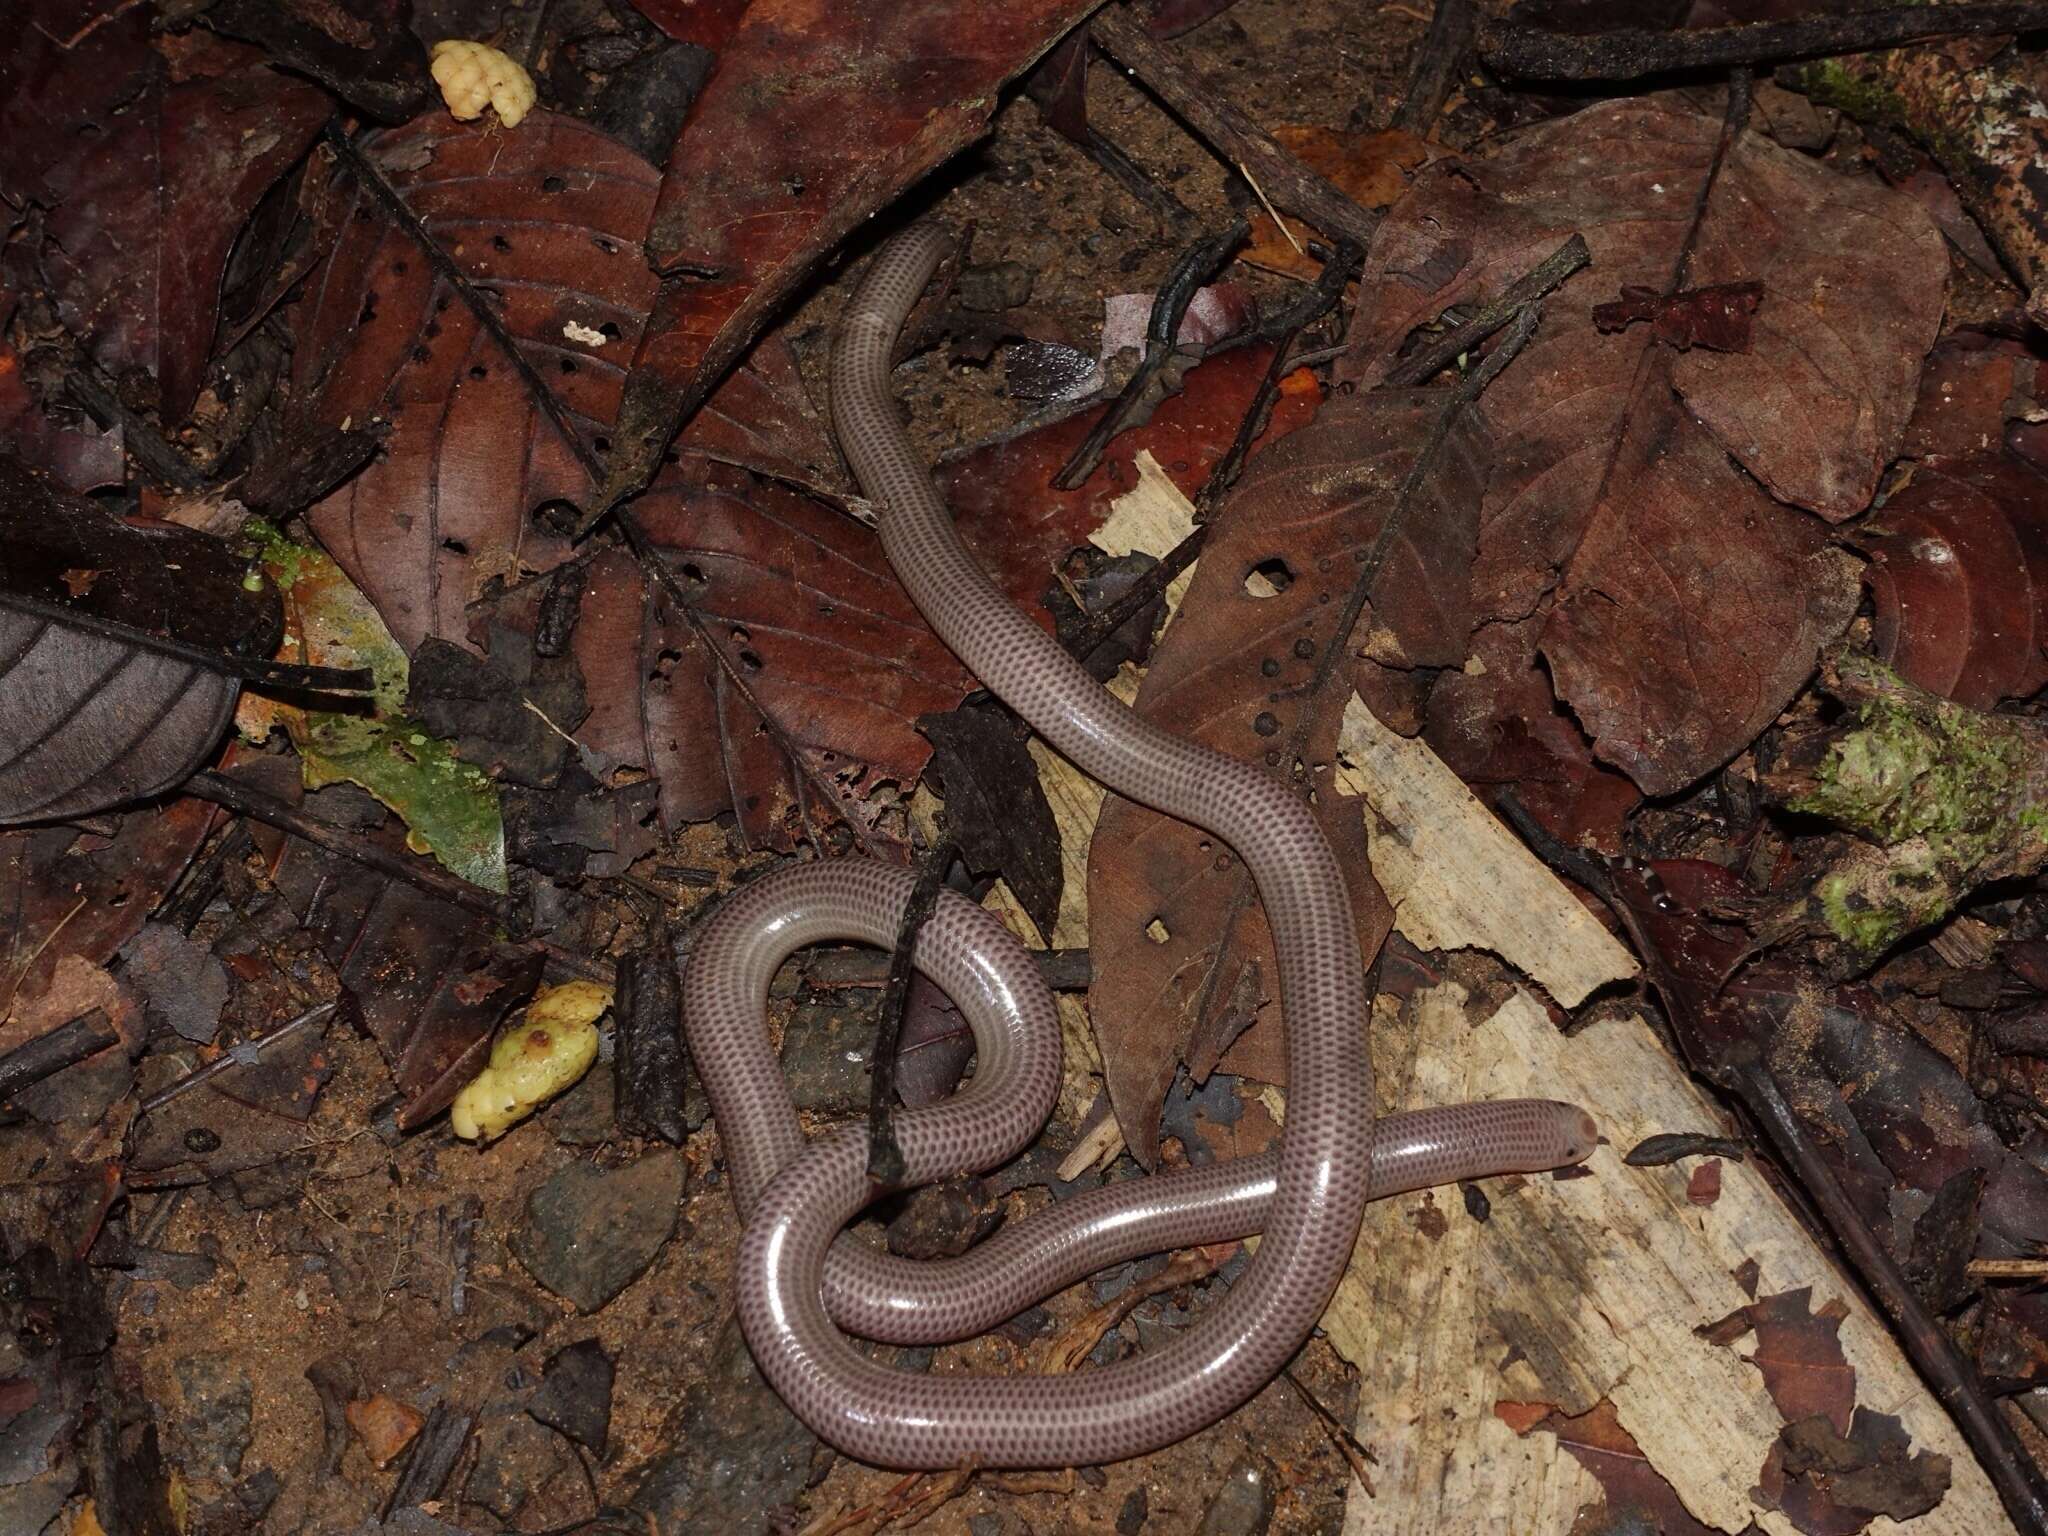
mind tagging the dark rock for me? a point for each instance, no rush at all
(1000, 285)
(1244, 1504)
(215, 1428)
(591, 1232)
(584, 1116)
(1094, 1477)
(739, 1453)
(985, 1525)
(257, 1492)
(515, 1457)
(1130, 1519)
(825, 1054)
(576, 1396)
(183, 986)
(942, 1221)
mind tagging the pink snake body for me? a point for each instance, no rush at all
(801, 1290)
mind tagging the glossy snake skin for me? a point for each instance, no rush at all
(801, 1292)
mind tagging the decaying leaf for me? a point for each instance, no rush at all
(145, 209)
(549, 222)
(1728, 602)
(1184, 960)
(1959, 579)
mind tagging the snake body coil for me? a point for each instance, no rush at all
(798, 1288)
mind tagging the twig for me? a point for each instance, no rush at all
(234, 1055)
(885, 1157)
(1434, 67)
(1355, 1451)
(250, 669)
(1954, 1380)
(1169, 75)
(1532, 285)
(1322, 295)
(1141, 594)
(1162, 330)
(145, 444)
(1536, 53)
(245, 800)
(55, 1049)
(1074, 1343)
(2008, 1269)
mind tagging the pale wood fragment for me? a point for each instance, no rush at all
(1579, 1289)
(1459, 879)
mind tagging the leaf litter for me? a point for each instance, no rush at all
(1621, 565)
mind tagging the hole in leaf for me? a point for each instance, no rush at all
(479, 371)
(610, 330)
(455, 546)
(751, 661)
(693, 571)
(1269, 578)
(568, 365)
(1156, 931)
(553, 184)
(500, 243)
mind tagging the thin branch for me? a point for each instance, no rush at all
(1433, 69)
(54, 1050)
(250, 669)
(1169, 305)
(885, 1157)
(1535, 53)
(246, 800)
(1491, 316)
(1170, 76)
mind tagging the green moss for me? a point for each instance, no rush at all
(1853, 920)
(1833, 83)
(281, 559)
(1947, 774)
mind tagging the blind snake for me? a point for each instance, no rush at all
(801, 1290)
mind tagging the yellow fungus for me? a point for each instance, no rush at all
(534, 1059)
(473, 76)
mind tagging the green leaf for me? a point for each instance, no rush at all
(450, 807)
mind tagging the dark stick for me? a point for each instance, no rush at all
(1495, 313)
(1434, 66)
(145, 444)
(1535, 53)
(1128, 174)
(1954, 1380)
(1143, 592)
(1276, 173)
(1313, 305)
(244, 800)
(234, 1055)
(54, 1050)
(250, 669)
(1169, 305)
(885, 1158)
